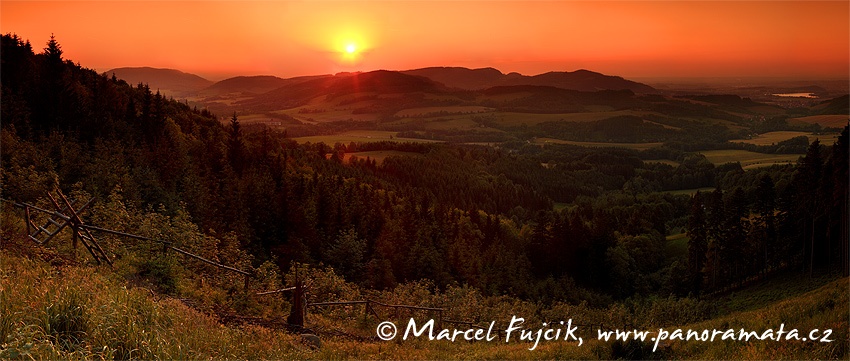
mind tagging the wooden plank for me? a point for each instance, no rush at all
(60, 215)
(406, 306)
(202, 259)
(337, 303)
(276, 291)
(123, 234)
(77, 222)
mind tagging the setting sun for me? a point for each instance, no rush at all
(351, 48)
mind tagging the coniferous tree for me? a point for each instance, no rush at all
(716, 250)
(736, 233)
(838, 227)
(235, 145)
(809, 175)
(697, 243)
(765, 220)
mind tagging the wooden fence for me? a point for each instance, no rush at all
(59, 220)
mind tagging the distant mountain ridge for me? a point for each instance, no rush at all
(379, 81)
(181, 83)
(167, 81)
(385, 91)
(478, 79)
(255, 84)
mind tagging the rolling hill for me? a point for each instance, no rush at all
(477, 79)
(358, 85)
(167, 81)
(254, 84)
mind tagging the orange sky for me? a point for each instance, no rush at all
(634, 39)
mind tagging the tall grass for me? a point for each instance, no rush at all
(78, 313)
(84, 312)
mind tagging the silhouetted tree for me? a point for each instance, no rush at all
(235, 145)
(697, 242)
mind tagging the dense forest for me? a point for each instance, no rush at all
(553, 222)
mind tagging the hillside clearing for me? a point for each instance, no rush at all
(771, 138)
(359, 136)
(690, 191)
(428, 111)
(511, 119)
(832, 121)
(748, 160)
(378, 155)
(672, 163)
(635, 146)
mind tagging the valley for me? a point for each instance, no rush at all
(269, 218)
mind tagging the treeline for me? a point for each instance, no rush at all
(745, 231)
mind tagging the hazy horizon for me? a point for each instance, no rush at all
(685, 80)
(635, 40)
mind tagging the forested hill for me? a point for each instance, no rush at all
(453, 214)
(173, 82)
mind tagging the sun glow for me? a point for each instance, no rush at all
(351, 47)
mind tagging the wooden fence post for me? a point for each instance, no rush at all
(27, 212)
(298, 311)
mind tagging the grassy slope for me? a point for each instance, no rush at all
(778, 136)
(73, 312)
(635, 146)
(378, 155)
(358, 136)
(821, 308)
(835, 121)
(690, 191)
(748, 159)
(115, 321)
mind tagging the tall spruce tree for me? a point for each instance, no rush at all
(697, 243)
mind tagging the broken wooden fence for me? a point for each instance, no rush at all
(58, 220)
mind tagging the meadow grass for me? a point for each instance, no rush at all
(690, 191)
(748, 159)
(459, 109)
(676, 246)
(87, 312)
(635, 146)
(378, 155)
(80, 312)
(824, 307)
(672, 163)
(832, 121)
(771, 138)
(359, 136)
(517, 119)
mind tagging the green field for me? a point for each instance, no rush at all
(378, 155)
(448, 123)
(690, 191)
(635, 146)
(517, 119)
(676, 246)
(771, 138)
(557, 206)
(326, 115)
(663, 161)
(413, 112)
(359, 136)
(748, 159)
(832, 121)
